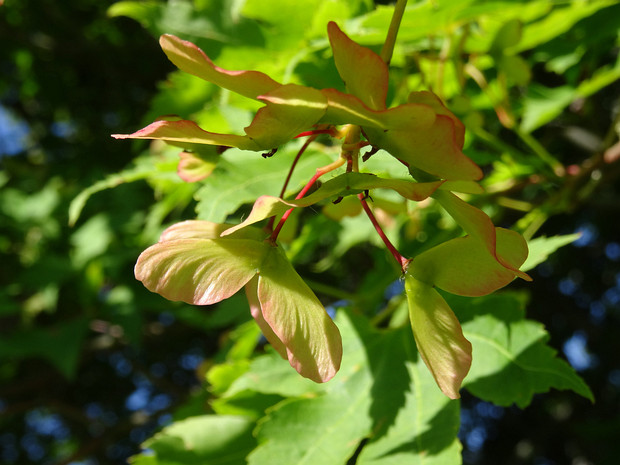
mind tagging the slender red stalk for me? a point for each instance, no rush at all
(402, 261)
(319, 172)
(315, 132)
(288, 212)
(290, 174)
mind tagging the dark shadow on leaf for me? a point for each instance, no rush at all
(387, 354)
(435, 439)
(535, 370)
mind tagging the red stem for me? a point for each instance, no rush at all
(319, 172)
(315, 132)
(290, 174)
(287, 213)
(402, 261)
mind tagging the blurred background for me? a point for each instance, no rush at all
(92, 364)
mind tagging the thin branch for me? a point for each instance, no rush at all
(402, 261)
(390, 40)
(319, 172)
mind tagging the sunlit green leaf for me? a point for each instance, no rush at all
(200, 271)
(558, 21)
(230, 187)
(511, 358)
(463, 265)
(298, 319)
(541, 247)
(383, 392)
(362, 70)
(342, 185)
(189, 58)
(544, 104)
(196, 167)
(221, 439)
(438, 335)
(145, 168)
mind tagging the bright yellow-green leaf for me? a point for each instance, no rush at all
(289, 110)
(429, 99)
(189, 58)
(438, 335)
(298, 319)
(474, 221)
(194, 167)
(364, 72)
(188, 132)
(345, 184)
(199, 271)
(435, 149)
(255, 309)
(463, 265)
(191, 264)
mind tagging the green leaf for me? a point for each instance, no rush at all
(197, 166)
(145, 168)
(602, 77)
(221, 439)
(438, 335)
(516, 70)
(474, 221)
(421, 19)
(266, 368)
(541, 247)
(559, 21)
(61, 345)
(189, 265)
(382, 392)
(363, 71)
(508, 35)
(189, 58)
(511, 358)
(463, 265)
(435, 149)
(298, 319)
(424, 431)
(544, 104)
(200, 271)
(342, 185)
(230, 187)
(175, 16)
(92, 239)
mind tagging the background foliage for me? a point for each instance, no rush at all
(92, 364)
